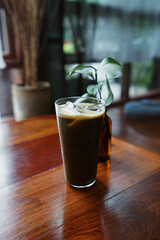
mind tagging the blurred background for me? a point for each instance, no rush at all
(86, 31)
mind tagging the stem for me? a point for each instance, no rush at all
(96, 75)
(100, 95)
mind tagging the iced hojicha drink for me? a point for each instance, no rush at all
(80, 124)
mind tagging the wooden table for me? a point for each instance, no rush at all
(36, 203)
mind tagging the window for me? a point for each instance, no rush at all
(4, 33)
(9, 42)
(129, 33)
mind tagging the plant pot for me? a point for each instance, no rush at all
(31, 101)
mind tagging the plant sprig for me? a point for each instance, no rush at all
(112, 70)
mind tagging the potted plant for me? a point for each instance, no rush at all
(32, 97)
(102, 89)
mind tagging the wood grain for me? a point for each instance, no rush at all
(36, 202)
(28, 148)
(33, 128)
(144, 133)
(20, 161)
(126, 193)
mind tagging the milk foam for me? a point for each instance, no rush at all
(89, 110)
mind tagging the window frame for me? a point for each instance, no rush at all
(10, 41)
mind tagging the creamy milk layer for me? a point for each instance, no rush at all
(80, 110)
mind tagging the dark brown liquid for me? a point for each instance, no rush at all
(80, 141)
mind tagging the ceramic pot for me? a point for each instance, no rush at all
(31, 101)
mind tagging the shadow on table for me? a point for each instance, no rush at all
(86, 214)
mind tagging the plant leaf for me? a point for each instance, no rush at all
(90, 74)
(88, 95)
(111, 67)
(110, 61)
(79, 68)
(93, 89)
(110, 97)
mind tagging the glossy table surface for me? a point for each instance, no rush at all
(36, 203)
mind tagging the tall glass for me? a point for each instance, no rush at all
(80, 121)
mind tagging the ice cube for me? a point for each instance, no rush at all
(67, 109)
(69, 105)
(86, 108)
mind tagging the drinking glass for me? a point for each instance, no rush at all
(80, 121)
